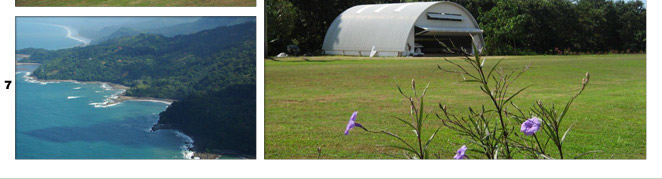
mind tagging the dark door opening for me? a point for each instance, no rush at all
(431, 44)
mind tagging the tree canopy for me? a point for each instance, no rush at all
(158, 66)
(510, 26)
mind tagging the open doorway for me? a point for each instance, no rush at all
(430, 45)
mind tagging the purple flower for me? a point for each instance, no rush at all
(531, 126)
(460, 153)
(351, 124)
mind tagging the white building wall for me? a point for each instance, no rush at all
(387, 27)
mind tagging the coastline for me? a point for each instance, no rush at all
(17, 63)
(112, 100)
(22, 55)
(112, 85)
(188, 151)
(123, 98)
(73, 34)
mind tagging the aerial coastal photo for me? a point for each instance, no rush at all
(135, 87)
(455, 80)
(135, 3)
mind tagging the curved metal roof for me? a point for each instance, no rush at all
(384, 26)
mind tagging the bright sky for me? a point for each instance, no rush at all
(641, 1)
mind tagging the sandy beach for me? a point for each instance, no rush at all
(122, 98)
(112, 85)
(119, 98)
(112, 100)
(73, 34)
(22, 55)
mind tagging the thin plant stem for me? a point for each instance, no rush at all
(539, 146)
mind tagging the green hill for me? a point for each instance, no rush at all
(211, 74)
(157, 66)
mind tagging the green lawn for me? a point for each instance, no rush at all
(309, 100)
(156, 3)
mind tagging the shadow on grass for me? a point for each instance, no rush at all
(303, 60)
(273, 59)
(308, 60)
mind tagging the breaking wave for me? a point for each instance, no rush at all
(109, 101)
(187, 148)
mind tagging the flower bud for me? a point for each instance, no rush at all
(413, 84)
(585, 80)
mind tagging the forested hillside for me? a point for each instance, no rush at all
(510, 26)
(204, 23)
(211, 74)
(216, 117)
(158, 66)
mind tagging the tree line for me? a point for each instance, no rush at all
(511, 27)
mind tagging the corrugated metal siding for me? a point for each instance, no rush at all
(385, 26)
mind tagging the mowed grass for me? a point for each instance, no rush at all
(154, 3)
(308, 102)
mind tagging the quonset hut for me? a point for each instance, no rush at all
(402, 29)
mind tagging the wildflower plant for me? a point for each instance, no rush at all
(416, 122)
(460, 154)
(496, 84)
(550, 121)
(491, 127)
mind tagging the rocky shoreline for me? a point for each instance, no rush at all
(198, 153)
(112, 100)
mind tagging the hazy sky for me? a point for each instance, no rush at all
(641, 1)
(96, 23)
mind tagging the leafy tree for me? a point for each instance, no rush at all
(510, 26)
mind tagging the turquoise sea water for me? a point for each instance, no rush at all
(60, 121)
(41, 35)
(67, 121)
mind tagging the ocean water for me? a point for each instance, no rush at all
(42, 35)
(65, 121)
(69, 120)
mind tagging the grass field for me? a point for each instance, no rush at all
(120, 3)
(309, 100)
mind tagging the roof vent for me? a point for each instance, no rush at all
(444, 16)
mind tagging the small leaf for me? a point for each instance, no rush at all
(403, 93)
(494, 67)
(566, 132)
(511, 97)
(545, 156)
(408, 123)
(431, 137)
